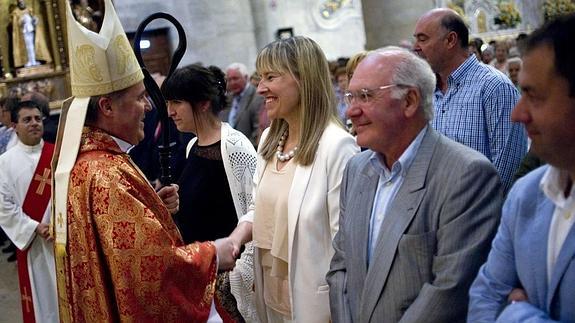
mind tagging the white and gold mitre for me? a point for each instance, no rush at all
(100, 63)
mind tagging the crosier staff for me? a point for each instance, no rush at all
(154, 91)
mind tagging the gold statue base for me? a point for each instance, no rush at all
(33, 70)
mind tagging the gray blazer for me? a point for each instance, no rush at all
(247, 118)
(431, 244)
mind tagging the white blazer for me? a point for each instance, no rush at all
(313, 215)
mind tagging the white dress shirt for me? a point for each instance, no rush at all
(553, 184)
(389, 183)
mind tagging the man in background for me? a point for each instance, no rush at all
(8, 136)
(8, 139)
(50, 123)
(245, 103)
(25, 192)
(472, 101)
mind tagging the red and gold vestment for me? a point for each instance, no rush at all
(125, 258)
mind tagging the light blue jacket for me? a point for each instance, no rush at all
(518, 258)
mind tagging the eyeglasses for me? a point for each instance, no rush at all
(365, 95)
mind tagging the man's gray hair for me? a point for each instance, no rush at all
(240, 67)
(413, 71)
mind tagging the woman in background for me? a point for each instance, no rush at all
(217, 181)
(513, 68)
(349, 69)
(301, 159)
(501, 53)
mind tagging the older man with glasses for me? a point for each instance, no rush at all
(418, 210)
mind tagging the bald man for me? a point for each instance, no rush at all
(472, 101)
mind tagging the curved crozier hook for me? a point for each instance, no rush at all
(154, 91)
(182, 43)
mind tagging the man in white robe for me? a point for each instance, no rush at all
(17, 168)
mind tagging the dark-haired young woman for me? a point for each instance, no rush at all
(217, 181)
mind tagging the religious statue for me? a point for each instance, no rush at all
(28, 40)
(481, 22)
(85, 15)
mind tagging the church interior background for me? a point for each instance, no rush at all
(220, 32)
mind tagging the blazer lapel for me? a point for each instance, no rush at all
(399, 215)
(301, 178)
(364, 202)
(565, 257)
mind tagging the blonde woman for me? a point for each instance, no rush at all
(301, 159)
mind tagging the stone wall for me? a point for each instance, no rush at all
(339, 34)
(390, 22)
(220, 32)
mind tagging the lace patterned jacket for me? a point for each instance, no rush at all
(239, 158)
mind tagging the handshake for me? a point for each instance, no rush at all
(228, 251)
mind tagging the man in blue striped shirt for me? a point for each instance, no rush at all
(472, 101)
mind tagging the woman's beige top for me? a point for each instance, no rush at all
(270, 234)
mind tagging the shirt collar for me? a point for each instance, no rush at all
(31, 149)
(124, 145)
(460, 72)
(405, 160)
(553, 184)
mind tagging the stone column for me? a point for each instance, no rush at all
(222, 32)
(387, 22)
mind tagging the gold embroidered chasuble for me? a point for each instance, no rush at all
(126, 261)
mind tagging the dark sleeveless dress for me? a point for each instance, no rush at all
(206, 206)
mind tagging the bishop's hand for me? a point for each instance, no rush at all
(227, 253)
